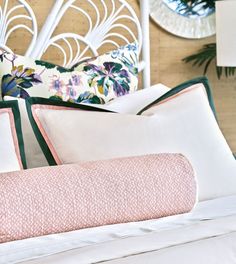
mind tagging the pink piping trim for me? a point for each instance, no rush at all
(14, 134)
(195, 86)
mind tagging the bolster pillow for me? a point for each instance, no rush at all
(58, 199)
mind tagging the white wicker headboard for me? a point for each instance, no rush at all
(101, 30)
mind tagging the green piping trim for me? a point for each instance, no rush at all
(17, 119)
(183, 86)
(43, 101)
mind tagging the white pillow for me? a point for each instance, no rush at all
(134, 102)
(131, 103)
(184, 123)
(11, 145)
(34, 155)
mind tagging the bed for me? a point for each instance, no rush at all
(205, 235)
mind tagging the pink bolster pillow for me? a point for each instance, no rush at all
(64, 198)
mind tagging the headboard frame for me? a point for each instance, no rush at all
(8, 15)
(106, 28)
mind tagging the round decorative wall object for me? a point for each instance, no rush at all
(183, 18)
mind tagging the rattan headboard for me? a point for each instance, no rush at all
(108, 22)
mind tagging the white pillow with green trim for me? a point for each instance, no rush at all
(130, 104)
(183, 123)
(12, 155)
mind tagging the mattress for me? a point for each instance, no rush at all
(206, 235)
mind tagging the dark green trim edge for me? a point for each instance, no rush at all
(16, 113)
(183, 86)
(43, 101)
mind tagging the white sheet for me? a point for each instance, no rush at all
(129, 243)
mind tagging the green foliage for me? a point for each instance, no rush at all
(62, 69)
(206, 3)
(21, 78)
(55, 97)
(110, 76)
(205, 57)
(47, 65)
(193, 7)
(90, 98)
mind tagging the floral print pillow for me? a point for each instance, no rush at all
(96, 80)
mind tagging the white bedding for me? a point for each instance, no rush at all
(206, 235)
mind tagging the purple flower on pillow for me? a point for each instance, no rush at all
(76, 80)
(110, 76)
(66, 91)
(20, 79)
(56, 83)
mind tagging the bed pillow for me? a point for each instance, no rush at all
(35, 157)
(181, 88)
(184, 124)
(97, 80)
(50, 200)
(131, 103)
(12, 156)
(33, 153)
(135, 103)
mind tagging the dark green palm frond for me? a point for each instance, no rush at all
(192, 7)
(209, 3)
(205, 57)
(206, 3)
